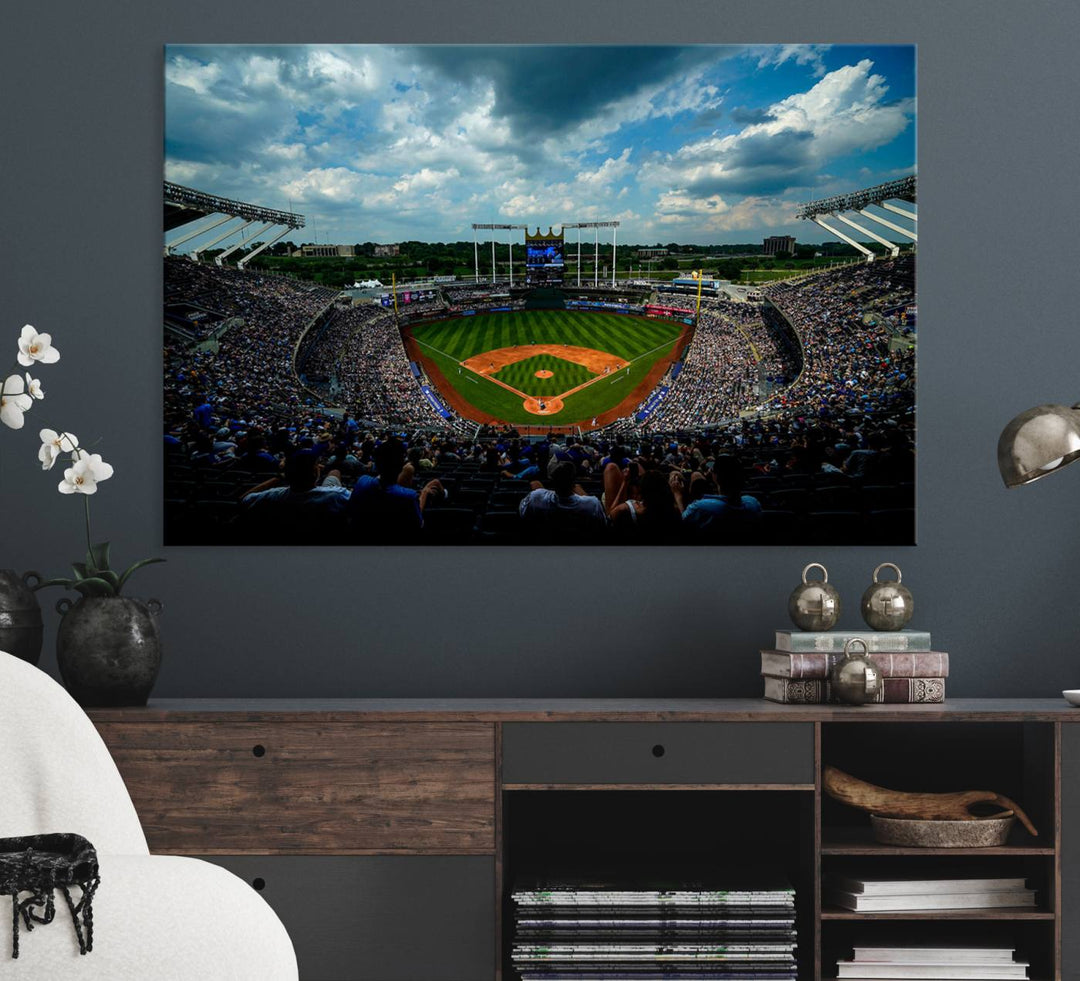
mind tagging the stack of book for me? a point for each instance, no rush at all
(938, 963)
(577, 931)
(903, 894)
(797, 670)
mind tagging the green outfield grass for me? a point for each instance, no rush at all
(639, 340)
(564, 375)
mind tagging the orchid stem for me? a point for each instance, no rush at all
(89, 547)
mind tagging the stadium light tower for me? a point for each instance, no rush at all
(185, 205)
(880, 195)
(597, 225)
(510, 241)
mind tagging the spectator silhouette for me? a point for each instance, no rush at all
(381, 510)
(564, 514)
(303, 511)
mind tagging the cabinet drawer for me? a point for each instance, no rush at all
(229, 788)
(381, 918)
(695, 753)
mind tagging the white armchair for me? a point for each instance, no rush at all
(156, 918)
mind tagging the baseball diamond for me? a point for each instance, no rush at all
(569, 366)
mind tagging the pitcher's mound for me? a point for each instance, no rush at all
(544, 373)
(544, 407)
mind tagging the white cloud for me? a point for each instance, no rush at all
(425, 179)
(714, 214)
(611, 170)
(845, 112)
(191, 74)
(337, 184)
(286, 151)
(359, 137)
(661, 100)
(801, 54)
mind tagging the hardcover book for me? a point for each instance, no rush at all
(977, 900)
(817, 664)
(935, 955)
(969, 971)
(922, 887)
(833, 641)
(895, 691)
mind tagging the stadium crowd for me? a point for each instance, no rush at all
(847, 361)
(252, 457)
(720, 375)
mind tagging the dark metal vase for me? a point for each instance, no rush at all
(109, 649)
(21, 628)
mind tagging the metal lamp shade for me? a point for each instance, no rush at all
(1038, 442)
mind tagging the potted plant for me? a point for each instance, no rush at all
(108, 646)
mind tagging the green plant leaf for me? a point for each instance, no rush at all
(79, 568)
(94, 587)
(132, 569)
(97, 559)
(66, 583)
(110, 577)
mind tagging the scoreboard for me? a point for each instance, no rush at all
(407, 296)
(543, 258)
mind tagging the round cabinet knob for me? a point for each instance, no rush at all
(658, 751)
(258, 750)
(814, 605)
(887, 605)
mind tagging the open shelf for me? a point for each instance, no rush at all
(708, 828)
(712, 836)
(860, 841)
(1015, 759)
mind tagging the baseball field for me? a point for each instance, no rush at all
(545, 367)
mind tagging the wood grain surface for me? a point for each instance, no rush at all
(282, 710)
(214, 787)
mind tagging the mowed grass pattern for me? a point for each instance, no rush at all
(564, 375)
(638, 340)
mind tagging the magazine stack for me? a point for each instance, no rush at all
(578, 931)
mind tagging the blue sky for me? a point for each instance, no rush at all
(693, 144)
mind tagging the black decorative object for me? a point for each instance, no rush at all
(21, 628)
(41, 864)
(109, 649)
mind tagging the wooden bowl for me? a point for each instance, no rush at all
(915, 833)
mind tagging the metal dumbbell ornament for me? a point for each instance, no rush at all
(887, 605)
(856, 680)
(814, 605)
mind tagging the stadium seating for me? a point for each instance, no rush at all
(854, 393)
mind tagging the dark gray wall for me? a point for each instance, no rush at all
(994, 574)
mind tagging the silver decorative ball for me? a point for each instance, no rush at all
(856, 680)
(887, 605)
(814, 605)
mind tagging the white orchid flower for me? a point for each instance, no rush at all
(36, 347)
(33, 387)
(14, 401)
(83, 476)
(53, 444)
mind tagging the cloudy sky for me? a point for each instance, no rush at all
(696, 144)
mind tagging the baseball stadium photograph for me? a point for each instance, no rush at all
(540, 295)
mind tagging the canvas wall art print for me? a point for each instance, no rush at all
(540, 294)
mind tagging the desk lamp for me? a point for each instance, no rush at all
(1039, 441)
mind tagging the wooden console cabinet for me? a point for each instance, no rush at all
(387, 833)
